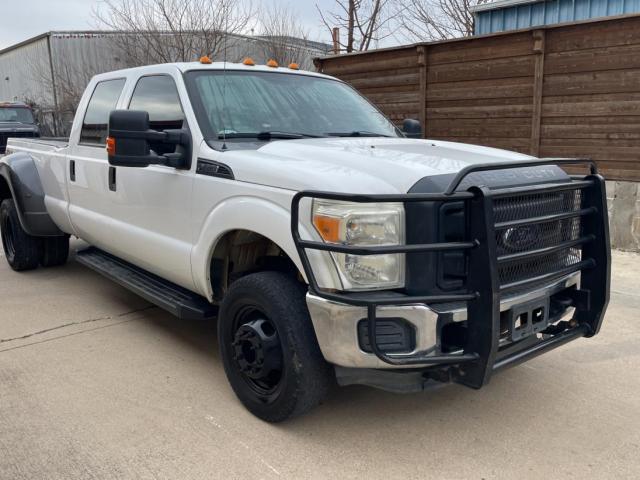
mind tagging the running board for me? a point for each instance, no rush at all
(174, 299)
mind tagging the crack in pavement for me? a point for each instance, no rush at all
(17, 347)
(80, 322)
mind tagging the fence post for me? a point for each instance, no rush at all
(538, 80)
(422, 97)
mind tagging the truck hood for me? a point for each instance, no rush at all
(357, 165)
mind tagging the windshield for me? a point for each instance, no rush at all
(16, 115)
(268, 105)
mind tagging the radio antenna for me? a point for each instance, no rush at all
(224, 83)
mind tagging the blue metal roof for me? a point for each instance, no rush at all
(546, 12)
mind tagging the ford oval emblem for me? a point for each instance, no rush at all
(521, 238)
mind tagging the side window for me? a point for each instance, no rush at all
(158, 95)
(103, 99)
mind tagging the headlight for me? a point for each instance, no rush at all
(363, 224)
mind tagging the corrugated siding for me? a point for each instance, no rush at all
(21, 72)
(565, 91)
(549, 12)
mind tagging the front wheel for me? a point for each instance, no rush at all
(268, 347)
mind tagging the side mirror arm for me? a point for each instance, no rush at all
(176, 136)
(182, 138)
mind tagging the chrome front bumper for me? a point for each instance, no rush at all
(336, 324)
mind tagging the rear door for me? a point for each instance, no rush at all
(88, 168)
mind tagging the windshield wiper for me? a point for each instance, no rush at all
(268, 135)
(357, 133)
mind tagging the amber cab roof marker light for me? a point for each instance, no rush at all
(294, 66)
(248, 61)
(272, 63)
(205, 60)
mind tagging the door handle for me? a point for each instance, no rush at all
(112, 179)
(72, 170)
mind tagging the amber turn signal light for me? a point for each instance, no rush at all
(328, 228)
(111, 146)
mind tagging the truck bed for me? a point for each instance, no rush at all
(43, 144)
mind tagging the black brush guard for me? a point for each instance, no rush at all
(481, 354)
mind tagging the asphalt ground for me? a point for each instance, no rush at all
(96, 383)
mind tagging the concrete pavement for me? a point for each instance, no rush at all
(96, 383)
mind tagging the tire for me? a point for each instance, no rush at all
(55, 251)
(264, 317)
(22, 250)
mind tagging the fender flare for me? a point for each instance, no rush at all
(264, 217)
(20, 173)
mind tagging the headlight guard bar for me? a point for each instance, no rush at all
(481, 355)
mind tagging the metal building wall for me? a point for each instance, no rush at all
(21, 71)
(549, 12)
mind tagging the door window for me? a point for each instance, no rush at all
(158, 96)
(96, 118)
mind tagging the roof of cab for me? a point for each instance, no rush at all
(230, 66)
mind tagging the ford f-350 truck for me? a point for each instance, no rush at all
(327, 243)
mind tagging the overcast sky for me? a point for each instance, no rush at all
(22, 19)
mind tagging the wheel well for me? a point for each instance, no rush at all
(241, 252)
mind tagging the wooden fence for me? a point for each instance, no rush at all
(567, 90)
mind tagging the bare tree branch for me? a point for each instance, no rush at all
(282, 36)
(424, 20)
(161, 31)
(365, 22)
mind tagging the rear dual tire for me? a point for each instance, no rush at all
(24, 251)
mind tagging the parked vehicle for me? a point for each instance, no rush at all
(333, 246)
(16, 120)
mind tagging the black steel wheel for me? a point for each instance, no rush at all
(268, 347)
(257, 352)
(22, 250)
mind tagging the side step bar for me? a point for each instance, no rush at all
(174, 299)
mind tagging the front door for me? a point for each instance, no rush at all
(151, 207)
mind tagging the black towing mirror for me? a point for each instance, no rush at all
(129, 138)
(412, 128)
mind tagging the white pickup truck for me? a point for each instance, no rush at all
(327, 243)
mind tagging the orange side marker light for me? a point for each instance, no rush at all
(111, 146)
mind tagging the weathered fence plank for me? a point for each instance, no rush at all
(561, 90)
